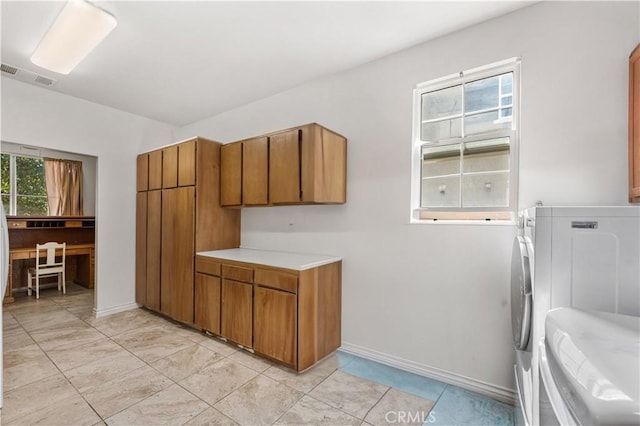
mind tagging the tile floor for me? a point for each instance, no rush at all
(62, 366)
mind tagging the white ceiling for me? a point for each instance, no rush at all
(179, 62)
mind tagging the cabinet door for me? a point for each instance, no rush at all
(142, 175)
(284, 167)
(255, 171)
(275, 324)
(178, 240)
(231, 174)
(170, 167)
(207, 303)
(323, 165)
(155, 170)
(634, 126)
(187, 163)
(141, 247)
(154, 232)
(237, 312)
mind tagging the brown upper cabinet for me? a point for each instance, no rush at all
(285, 176)
(142, 176)
(155, 170)
(634, 126)
(244, 173)
(170, 167)
(187, 163)
(231, 174)
(255, 169)
(321, 166)
(303, 165)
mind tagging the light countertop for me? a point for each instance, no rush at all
(278, 259)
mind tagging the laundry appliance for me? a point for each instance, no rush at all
(590, 368)
(580, 257)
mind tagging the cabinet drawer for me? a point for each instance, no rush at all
(16, 223)
(237, 273)
(207, 265)
(277, 279)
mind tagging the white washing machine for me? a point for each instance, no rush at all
(582, 257)
(590, 368)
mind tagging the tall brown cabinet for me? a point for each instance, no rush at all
(178, 214)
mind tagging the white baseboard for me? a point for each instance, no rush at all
(499, 393)
(115, 309)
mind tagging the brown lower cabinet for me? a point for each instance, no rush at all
(275, 323)
(235, 309)
(178, 241)
(148, 231)
(207, 307)
(142, 208)
(286, 315)
(154, 231)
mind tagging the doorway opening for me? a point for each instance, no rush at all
(49, 195)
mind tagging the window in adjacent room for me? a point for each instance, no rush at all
(24, 191)
(465, 143)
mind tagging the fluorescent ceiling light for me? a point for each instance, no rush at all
(79, 28)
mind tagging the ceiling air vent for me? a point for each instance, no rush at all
(26, 75)
(9, 69)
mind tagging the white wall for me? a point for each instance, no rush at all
(437, 296)
(431, 296)
(33, 116)
(88, 169)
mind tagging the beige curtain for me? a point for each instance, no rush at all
(64, 186)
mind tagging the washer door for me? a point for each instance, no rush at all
(520, 293)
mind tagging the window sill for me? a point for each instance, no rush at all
(462, 222)
(464, 218)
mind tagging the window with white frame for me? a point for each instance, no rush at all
(465, 136)
(23, 188)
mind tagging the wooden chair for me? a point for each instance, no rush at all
(46, 266)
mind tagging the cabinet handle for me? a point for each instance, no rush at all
(300, 162)
(242, 173)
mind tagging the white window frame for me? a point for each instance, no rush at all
(13, 187)
(489, 215)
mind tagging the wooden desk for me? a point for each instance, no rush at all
(80, 270)
(26, 232)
